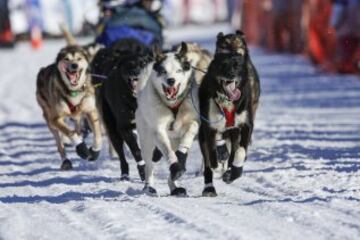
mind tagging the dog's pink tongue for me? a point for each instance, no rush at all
(73, 78)
(233, 93)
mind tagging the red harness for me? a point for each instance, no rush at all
(230, 117)
(71, 106)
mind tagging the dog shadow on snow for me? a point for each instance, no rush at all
(64, 197)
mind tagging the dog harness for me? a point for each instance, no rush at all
(230, 117)
(228, 109)
(71, 106)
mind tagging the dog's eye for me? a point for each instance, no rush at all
(78, 59)
(179, 71)
(67, 59)
(159, 69)
(186, 66)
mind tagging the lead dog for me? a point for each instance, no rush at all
(229, 96)
(166, 118)
(64, 91)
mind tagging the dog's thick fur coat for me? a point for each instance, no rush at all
(229, 95)
(64, 91)
(166, 117)
(128, 63)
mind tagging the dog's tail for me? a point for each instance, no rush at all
(70, 39)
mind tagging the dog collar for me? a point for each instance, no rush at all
(75, 93)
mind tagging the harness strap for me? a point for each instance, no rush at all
(71, 106)
(229, 116)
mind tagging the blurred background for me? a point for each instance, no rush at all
(326, 31)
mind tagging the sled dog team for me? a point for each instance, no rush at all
(169, 97)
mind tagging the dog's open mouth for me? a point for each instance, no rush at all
(232, 92)
(133, 81)
(171, 92)
(73, 76)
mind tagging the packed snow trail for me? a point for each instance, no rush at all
(301, 180)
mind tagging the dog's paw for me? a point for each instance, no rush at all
(182, 159)
(124, 177)
(93, 154)
(209, 192)
(141, 170)
(232, 174)
(176, 171)
(222, 153)
(82, 151)
(179, 192)
(149, 190)
(66, 165)
(157, 155)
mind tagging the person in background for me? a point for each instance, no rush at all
(250, 20)
(287, 25)
(345, 18)
(6, 35)
(321, 36)
(139, 20)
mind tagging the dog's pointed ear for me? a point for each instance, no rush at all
(157, 52)
(61, 54)
(183, 50)
(220, 35)
(240, 33)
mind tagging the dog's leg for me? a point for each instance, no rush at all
(93, 118)
(81, 148)
(118, 144)
(208, 150)
(116, 139)
(164, 144)
(222, 152)
(147, 148)
(130, 138)
(239, 153)
(66, 163)
(209, 189)
(186, 143)
(175, 190)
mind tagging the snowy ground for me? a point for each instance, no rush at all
(301, 181)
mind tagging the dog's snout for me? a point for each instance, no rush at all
(170, 81)
(74, 66)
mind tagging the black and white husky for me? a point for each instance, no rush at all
(228, 96)
(166, 118)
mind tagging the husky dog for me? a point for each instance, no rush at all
(117, 100)
(228, 96)
(64, 91)
(236, 44)
(166, 118)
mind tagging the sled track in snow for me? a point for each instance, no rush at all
(301, 179)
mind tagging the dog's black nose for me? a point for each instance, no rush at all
(170, 81)
(74, 66)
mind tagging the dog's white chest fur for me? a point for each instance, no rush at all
(218, 120)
